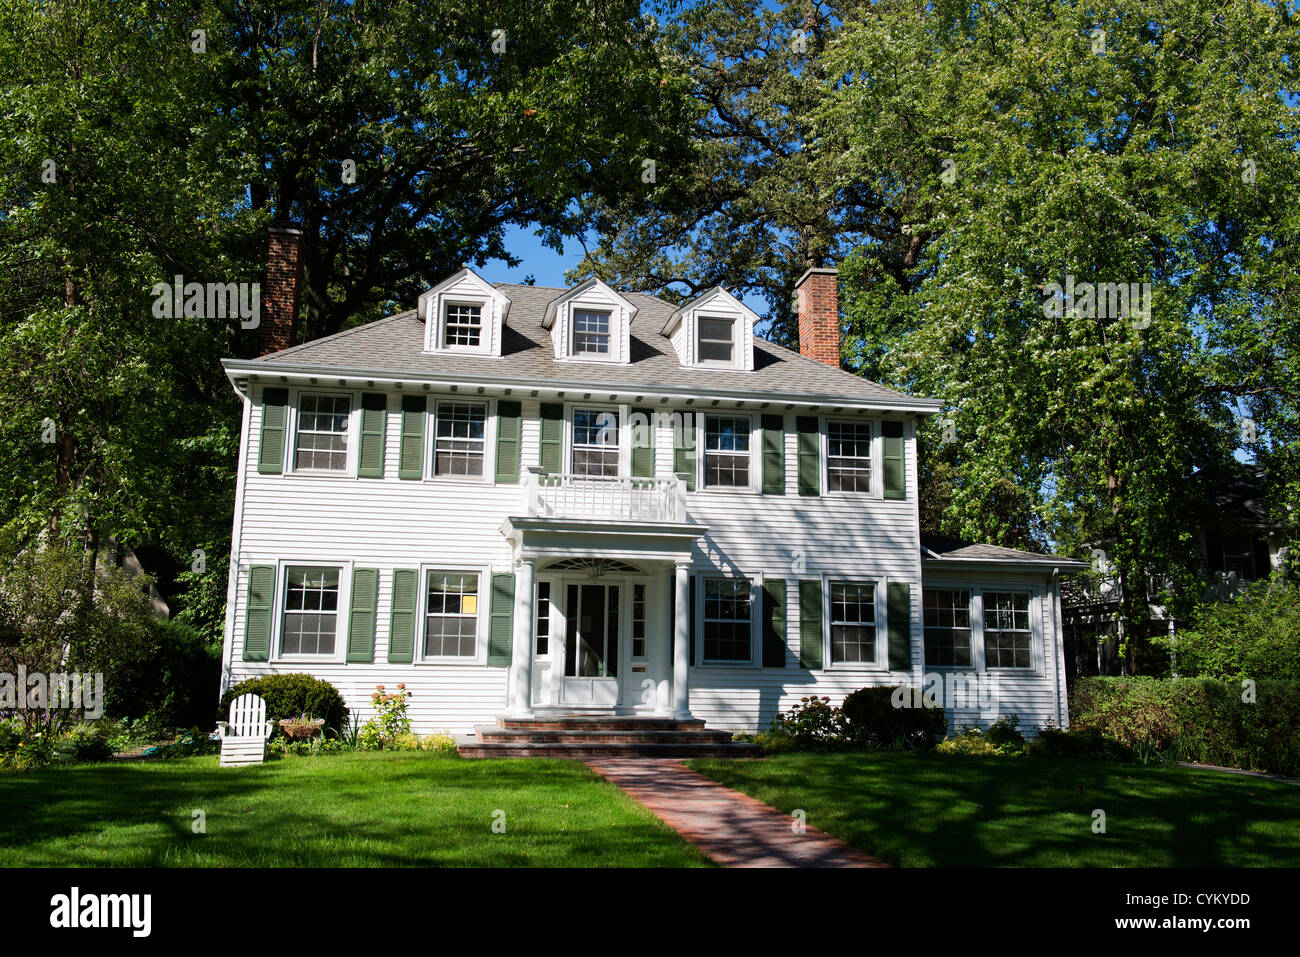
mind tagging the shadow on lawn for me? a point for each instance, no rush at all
(957, 811)
(389, 810)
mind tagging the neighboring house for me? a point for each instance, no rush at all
(1236, 544)
(467, 498)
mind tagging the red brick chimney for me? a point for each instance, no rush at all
(819, 316)
(282, 294)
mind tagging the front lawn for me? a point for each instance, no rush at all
(367, 809)
(924, 810)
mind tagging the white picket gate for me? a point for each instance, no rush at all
(243, 737)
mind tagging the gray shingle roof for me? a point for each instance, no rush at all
(957, 550)
(396, 346)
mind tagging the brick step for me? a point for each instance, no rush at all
(563, 750)
(599, 723)
(496, 734)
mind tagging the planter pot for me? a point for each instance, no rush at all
(296, 730)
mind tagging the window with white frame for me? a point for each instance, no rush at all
(462, 326)
(451, 615)
(311, 611)
(638, 621)
(946, 622)
(595, 442)
(1008, 640)
(323, 432)
(542, 625)
(716, 340)
(726, 451)
(727, 620)
(853, 622)
(590, 332)
(848, 456)
(459, 438)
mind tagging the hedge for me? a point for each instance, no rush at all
(1196, 719)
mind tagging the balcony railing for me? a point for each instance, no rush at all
(610, 499)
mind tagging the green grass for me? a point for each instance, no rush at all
(921, 810)
(377, 809)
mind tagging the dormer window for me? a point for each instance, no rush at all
(715, 331)
(590, 332)
(463, 326)
(717, 340)
(464, 315)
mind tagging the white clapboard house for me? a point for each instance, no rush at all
(533, 503)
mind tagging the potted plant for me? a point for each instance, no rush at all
(302, 728)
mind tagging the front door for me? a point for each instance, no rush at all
(591, 614)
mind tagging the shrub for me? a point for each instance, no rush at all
(440, 742)
(1256, 635)
(169, 681)
(1002, 738)
(291, 695)
(86, 741)
(1005, 733)
(1075, 743)
(1255, 727)
(876, 721)
(813, 723)
(390, 725)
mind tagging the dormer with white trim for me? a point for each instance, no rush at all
(713, 331)
(464, 315)
(590, 323)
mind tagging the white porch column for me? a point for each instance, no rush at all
(521, 658)
(682, 643)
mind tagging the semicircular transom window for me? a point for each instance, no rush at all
(594, 566)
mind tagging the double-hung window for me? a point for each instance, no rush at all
(853, 622)
(717, 340)
(727, 620)
(595, 443)
(451, 615)
(590, 333)
(459, 438)
(848, 456)
(946, 620)
(726, 451)
(323, 432)
(463, 326)
(1008, 641)
(311, 611)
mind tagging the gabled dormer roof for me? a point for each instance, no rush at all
(573, 292)
(702, 301)
(465, 288)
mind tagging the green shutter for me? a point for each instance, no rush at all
(275, 418)
(810, 624)
(774, 623)
(773, 455)
(810, 455)
(691, 622)
(401, 623)
(508, 432)
(684, 457)
(410, 462)
(257, 613)
(892, 441)
(643, 456)
(374, 428)
(361, 620)
(501, 620)
(900, 626)
(552, 438)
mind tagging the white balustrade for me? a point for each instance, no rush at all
(612, 499)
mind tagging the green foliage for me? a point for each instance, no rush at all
(973, 742)
(291, 695)
(1255, 635)
(390, 727)
(1005, 733)
(169, 680)
(875, 722)
(1251, 725)
(812, 724)
(1075, 743)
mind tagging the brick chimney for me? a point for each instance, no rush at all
(819, 316)
(282, 294)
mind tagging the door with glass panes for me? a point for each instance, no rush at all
(592, 627)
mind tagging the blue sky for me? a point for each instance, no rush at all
(546, 265)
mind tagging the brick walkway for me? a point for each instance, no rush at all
(732, 828)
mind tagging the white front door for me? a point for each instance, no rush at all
(591, 646)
